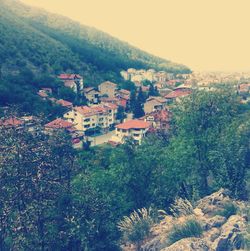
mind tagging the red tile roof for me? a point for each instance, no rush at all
(65, 76)
(94, 110)
(59, 124)
(133, 124)
(178, 93)
(11, 122)
(42, 94)
(64, 103)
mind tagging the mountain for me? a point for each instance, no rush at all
(36, 45)
(47, 42)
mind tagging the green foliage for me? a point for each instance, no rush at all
(191, 228)
(228, 209)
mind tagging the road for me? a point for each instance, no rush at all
(98, 140)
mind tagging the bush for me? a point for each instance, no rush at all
(191, 228)
(229, 209)
(136, 227)
(181, 207)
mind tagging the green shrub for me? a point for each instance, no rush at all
(191, 228)
(229, 209)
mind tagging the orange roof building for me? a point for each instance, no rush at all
(135, 129)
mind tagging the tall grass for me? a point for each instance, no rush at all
(191, 228)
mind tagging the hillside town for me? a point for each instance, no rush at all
(107, 117)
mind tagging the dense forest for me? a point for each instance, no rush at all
(35, 46)
(56, 198)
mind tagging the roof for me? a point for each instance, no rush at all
(63, 102)
(109, 83)
(88, 89)
(11, 122)
(162, 115)
(94, 110)
(158, 99)
(125, 92)
(178, 93)
(133, 124)
(59, 124)
(65, 76)
(42, 93)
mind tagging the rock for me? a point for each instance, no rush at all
(216, 221)
(230, 237)
(198, 212)
(214, 201)
(212, 234)
(189, 244)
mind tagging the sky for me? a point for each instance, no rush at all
(206, 35)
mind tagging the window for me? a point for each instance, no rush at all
(100, 119)
(86, 120)
(136, 134)
(86, 126)
(93, 124)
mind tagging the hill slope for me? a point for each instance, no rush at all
(48, 42)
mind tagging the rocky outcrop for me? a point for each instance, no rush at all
(223, 228)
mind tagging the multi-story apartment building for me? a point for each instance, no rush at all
(85, 117)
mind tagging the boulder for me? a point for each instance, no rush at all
(189, 244)
(214, 201)
(231, 234)
(216, 221)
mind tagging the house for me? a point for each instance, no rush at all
(122, 93)
(64, 103)
(154, 104)
(108, 88)
(135, 129)
(43, 94)
(92, 95)
(178, 94)
(68, 127)
(47, 90)
(160, 120)
(11, 122)
(244, 88)
(73, 81)
(59, 124)
(85, 117)
(117, 101)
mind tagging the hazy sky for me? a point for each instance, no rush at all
(203, 34)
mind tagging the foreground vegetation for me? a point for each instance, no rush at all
(53, 197)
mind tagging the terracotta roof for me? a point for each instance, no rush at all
(42, 94)
(65, 76)
(178, 93)
(11, 122)
(64, 103)
(59, 124)
(134, 124)
(158, 99)
(94, 110)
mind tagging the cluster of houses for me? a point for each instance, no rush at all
(100, 113)
(150, 75)
(103, 102)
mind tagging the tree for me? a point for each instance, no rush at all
(138, 105)
(201, 123)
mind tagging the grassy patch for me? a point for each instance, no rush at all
(228, 210)
(191, 228)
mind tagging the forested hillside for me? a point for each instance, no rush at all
(48, 42)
